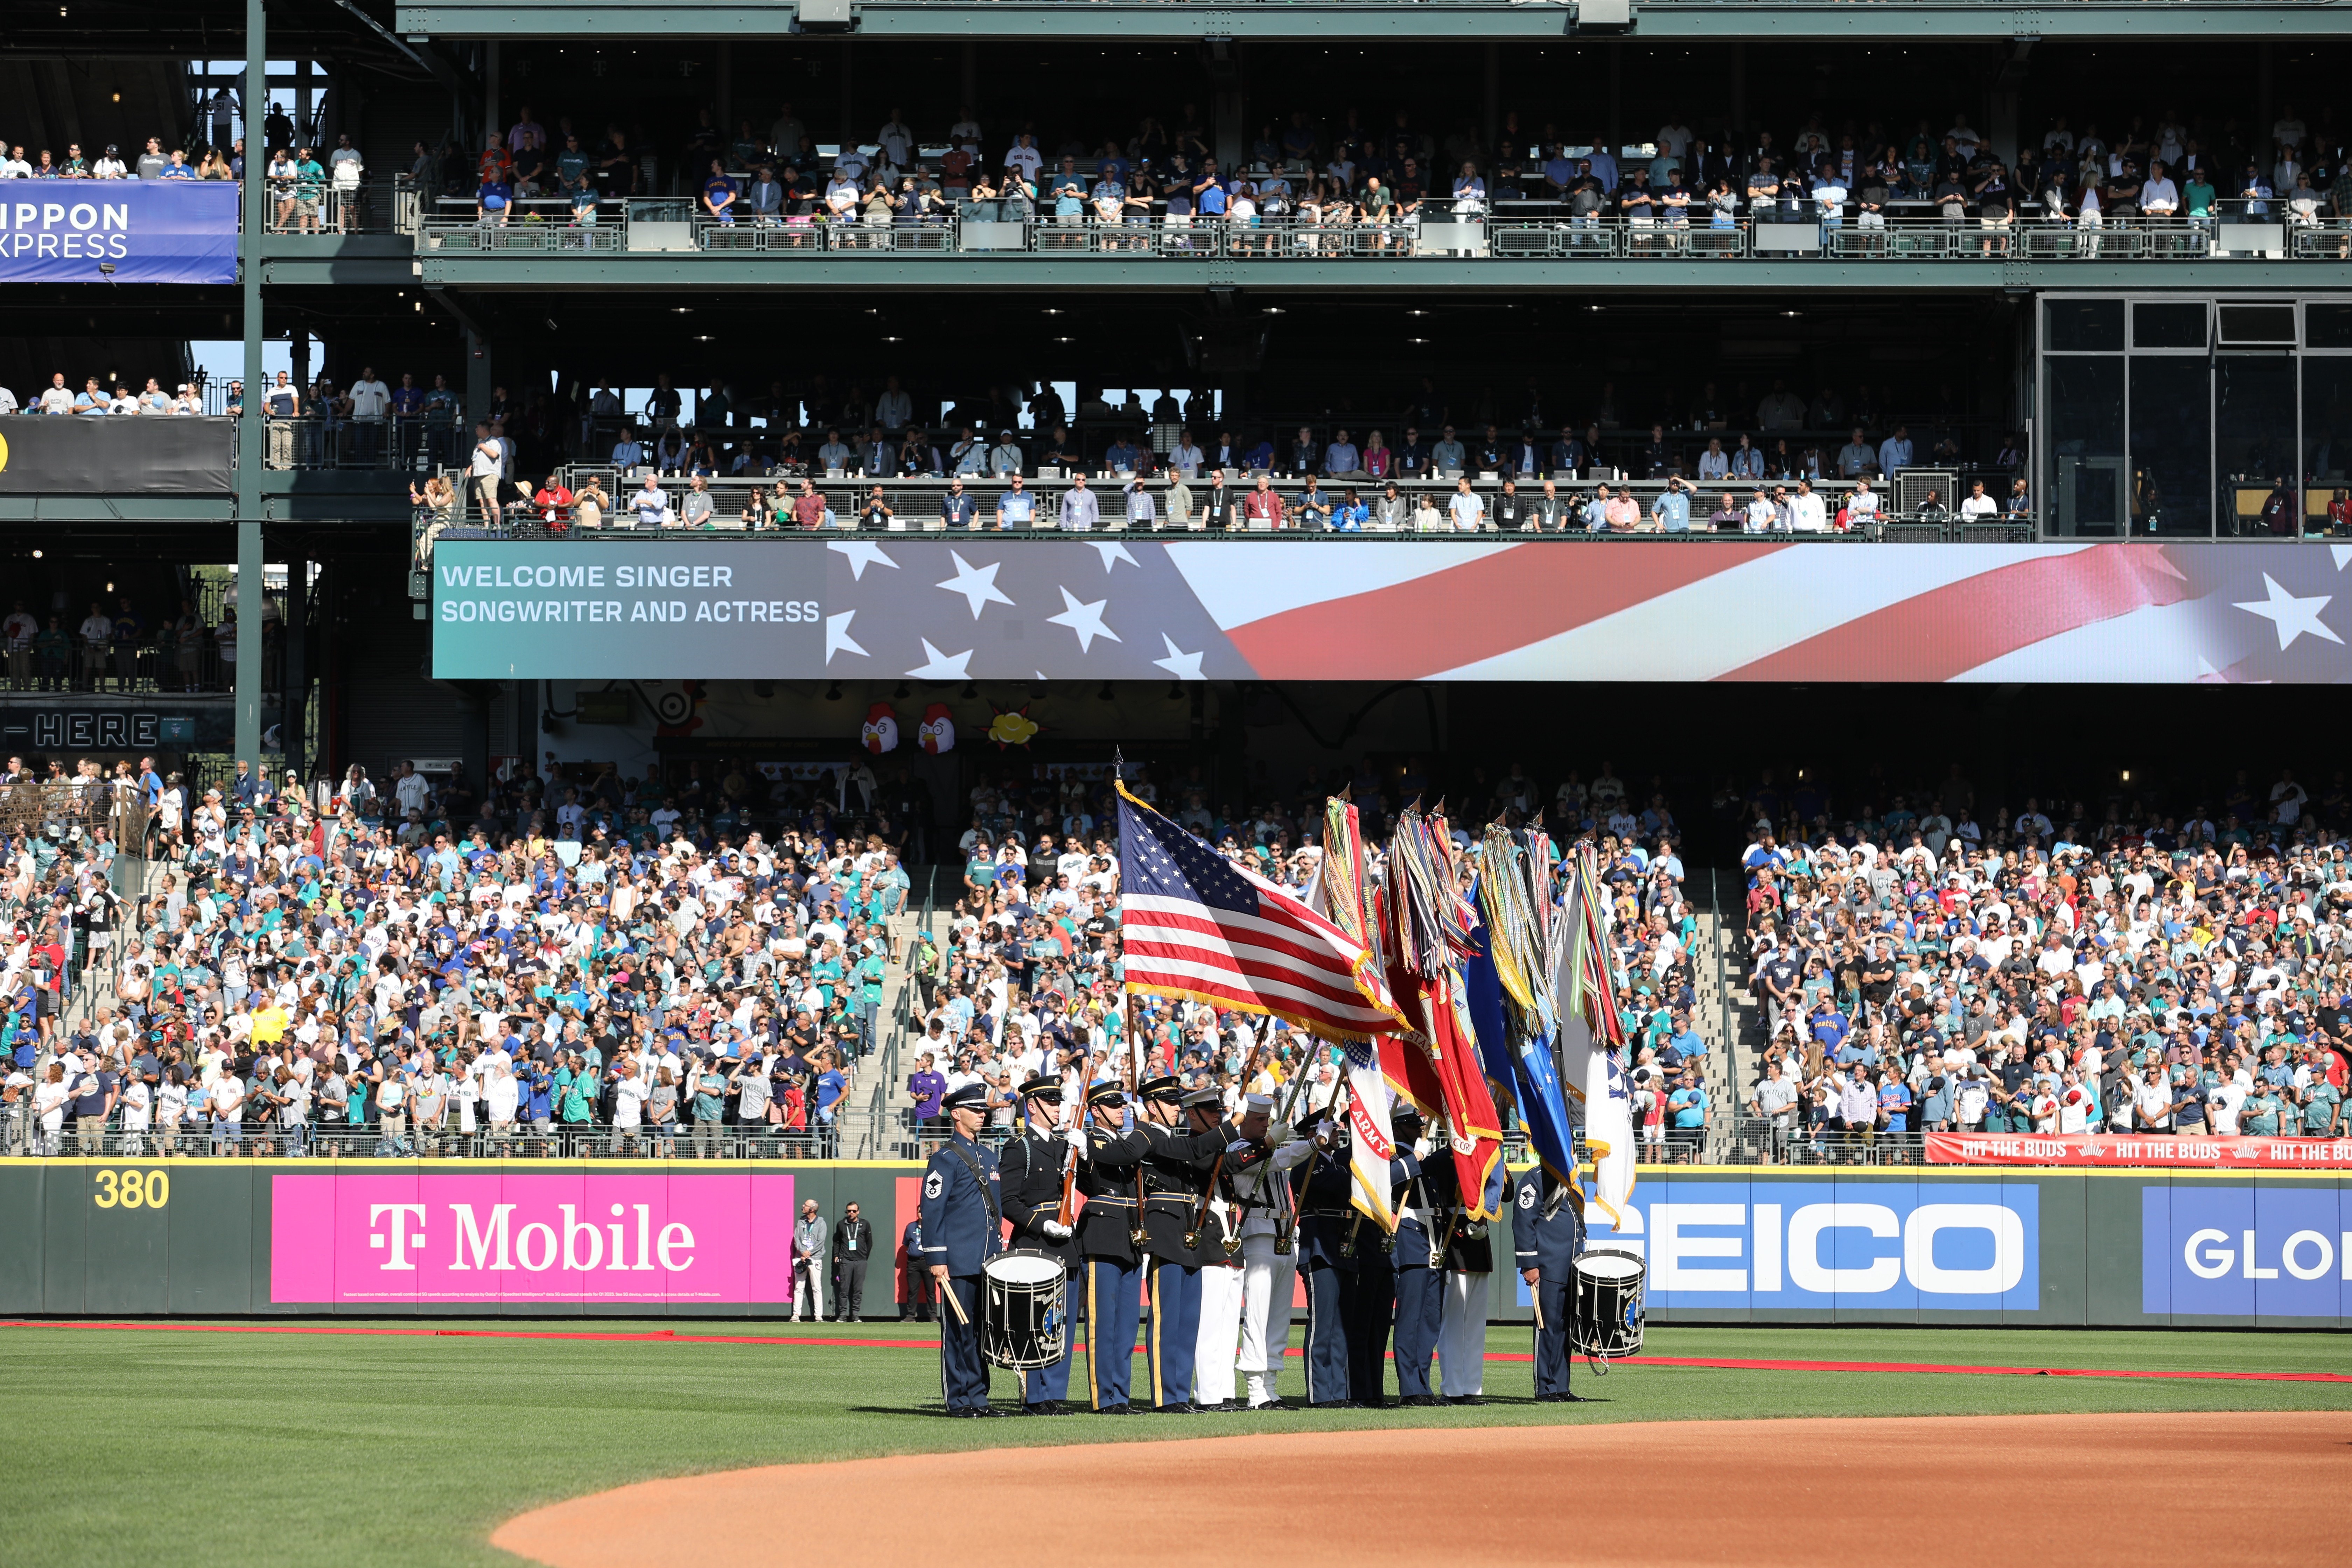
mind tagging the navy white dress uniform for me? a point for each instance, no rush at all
(1469, 1268)
(1224, 1276)
(962, 1228)
(1176, 1165)
(1109, 1175)
(1268, 1216)
(1030, 1169)
(1547, 1227)
(1424, 1222)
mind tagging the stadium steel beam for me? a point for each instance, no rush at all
(253, 431)
(1468, 20)
(1763, 275)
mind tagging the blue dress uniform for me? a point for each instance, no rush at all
(1327, 1253)
(1110, 1177)
(1176, 1165)
(1547, 1229)
(1422, 1225)
(1032, 1167)
(962, 1227)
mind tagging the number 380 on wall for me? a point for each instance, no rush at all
(133, 1189)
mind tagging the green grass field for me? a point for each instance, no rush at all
(155, 1446)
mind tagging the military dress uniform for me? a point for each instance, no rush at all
(1326, 1251)
(1371, 1300)
(1176, 1165)
(1031, 1169)
(1547, 1227)
(1468, 1266)
(1269, 1266)
(1422, 1223)
(962, 1227)
(1108, 1174)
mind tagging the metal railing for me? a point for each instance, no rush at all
(1493, 237)
(334, 1140)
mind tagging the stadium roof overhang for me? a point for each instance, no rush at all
(1450, 20)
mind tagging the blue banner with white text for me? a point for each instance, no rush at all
(118, 231)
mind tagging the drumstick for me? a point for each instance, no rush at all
(962, 1317)
(1535, 1295)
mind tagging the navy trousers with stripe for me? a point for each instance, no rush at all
(1327, 1333)
(1112, 1293)
(1420, 1306)
(1175, 1331)
(1041, 1384)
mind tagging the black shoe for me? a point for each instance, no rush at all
(1222, 1407)
(991, 1411)
(963, 1411)
(1464, 1399)
(1275, 1404)
(1045, 1408)
(1330, 1404)
(1418, 1399)
(1369, 1403)
(1115, 1410)
(1562, 1399)
(1182, 1408)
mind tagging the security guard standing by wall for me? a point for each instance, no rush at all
(1032, 1167)
(1546, 1226)
(962, 1224)
(1110, 1229)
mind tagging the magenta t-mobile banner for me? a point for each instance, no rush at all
(560, 1237)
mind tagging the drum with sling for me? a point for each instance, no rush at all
(1605, 1320)
(1024, 1311)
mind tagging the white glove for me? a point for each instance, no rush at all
(1237, 1146)
(1420, 1147)
(1076, 1139)
(1323, 1130)
(1056, 1229)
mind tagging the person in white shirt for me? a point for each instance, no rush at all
(2158, 196)
(1980, 507)
(1467, 513)
(13, 165)
(1862, 512)
(1808, 515)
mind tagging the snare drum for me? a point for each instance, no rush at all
(1024, 1311)
(1608, 1311)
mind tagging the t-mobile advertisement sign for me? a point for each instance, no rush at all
(557, 1237)
(2267, 1251)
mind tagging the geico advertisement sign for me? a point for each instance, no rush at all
(1971, 1247)
(552, 1236)
(2266, 1251)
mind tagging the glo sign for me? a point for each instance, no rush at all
(2267, 1250)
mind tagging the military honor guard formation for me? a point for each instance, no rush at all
(1144, 1204)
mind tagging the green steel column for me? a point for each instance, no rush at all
(253, 431)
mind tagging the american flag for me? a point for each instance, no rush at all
(945, 607)
(1195, 924)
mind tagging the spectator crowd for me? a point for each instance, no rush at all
(2153, 969)
(589, 965)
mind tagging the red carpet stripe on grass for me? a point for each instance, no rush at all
(1729, 1364)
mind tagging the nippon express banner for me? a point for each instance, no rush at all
(147, 231)
(574, 1237)
(2266, 1251)
(1115, 606)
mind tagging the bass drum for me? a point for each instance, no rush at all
(1608, 1313)
(1024, 1319)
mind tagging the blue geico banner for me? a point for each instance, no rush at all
(151, 231)
(2251, 1251)
(1740, 1246)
